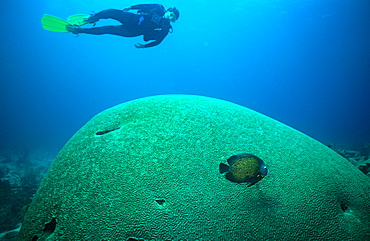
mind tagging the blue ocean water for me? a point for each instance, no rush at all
(305, 63)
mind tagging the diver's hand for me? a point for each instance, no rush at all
(139, 46)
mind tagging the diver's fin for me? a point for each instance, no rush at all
(54, 24)
(78, 19)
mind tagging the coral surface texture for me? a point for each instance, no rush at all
(148, 169)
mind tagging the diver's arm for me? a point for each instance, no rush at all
(155, 42)
(151, 44)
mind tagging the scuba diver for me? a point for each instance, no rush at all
(152, 21)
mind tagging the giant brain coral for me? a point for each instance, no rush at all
(149, 169)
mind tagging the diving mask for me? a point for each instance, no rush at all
(170, 16)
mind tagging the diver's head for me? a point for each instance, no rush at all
(172, 14)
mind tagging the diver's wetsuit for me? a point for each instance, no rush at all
(141, 19)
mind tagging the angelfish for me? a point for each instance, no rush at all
(244, 167)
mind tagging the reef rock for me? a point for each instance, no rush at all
(148, 169)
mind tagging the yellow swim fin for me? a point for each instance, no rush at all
(54, 24)
(78, 19)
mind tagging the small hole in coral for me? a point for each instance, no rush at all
(344, 207)
(135, 239)
(160, 201)
(50, 227)
(99, 133)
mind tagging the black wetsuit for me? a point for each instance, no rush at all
(141, 19)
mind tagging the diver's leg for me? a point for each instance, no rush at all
(116, 14)
(115, 30)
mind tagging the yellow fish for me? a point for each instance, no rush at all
(244, 167)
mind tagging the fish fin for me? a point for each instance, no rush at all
(232, 159)
(230, 177)
(253, 180)
(223, 168)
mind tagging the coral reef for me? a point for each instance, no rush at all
(149, 169)
(358, 155)
(20, 177)
(14, 198)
